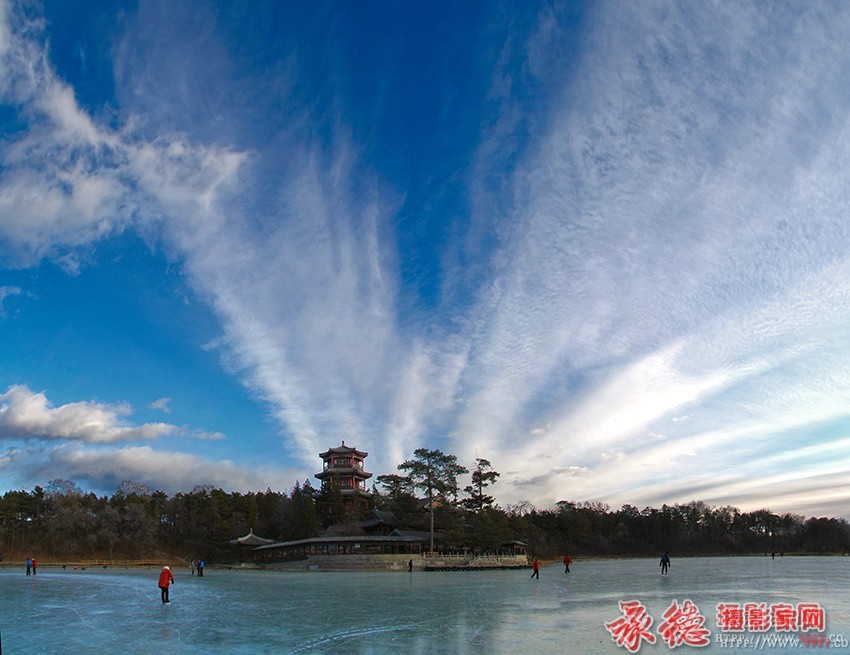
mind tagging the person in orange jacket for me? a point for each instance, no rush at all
(166, 578)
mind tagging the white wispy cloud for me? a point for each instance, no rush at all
(7, 292)
(208, 436)
(307, 305)
(5, 33)
(68, 181)
(162, 404)
(678, 248)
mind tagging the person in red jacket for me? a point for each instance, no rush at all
(535, 566)
(567, 561)
(166, 578)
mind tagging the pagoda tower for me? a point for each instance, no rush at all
(343, 469)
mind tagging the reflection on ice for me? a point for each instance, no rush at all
(103, 611)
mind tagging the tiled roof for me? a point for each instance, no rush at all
(342, 449)
(406, 538)
(251, 539)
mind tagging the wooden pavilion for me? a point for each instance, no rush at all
(344, 469)
(399, 542)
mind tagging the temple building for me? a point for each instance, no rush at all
(343, 469)
(250, 540)
(378, 541)
(248, 543)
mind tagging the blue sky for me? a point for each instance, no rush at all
(605, 246)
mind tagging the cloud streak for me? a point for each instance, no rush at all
(68, 182)
(162, 404)
(673, 253)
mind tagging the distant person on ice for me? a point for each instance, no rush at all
(166, 578)
(29, 566)
(535, 566)
(664, 563)
(567, 561)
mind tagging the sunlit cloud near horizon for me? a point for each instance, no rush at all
(605, 246)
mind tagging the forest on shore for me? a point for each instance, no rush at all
(60, 522)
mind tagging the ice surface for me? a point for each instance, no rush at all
(489, 612)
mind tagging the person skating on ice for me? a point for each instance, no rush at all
(166, 578)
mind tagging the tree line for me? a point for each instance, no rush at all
(593, 529)
(62, 522)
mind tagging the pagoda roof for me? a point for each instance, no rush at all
(421, 535)
(342, 449)
(398, 537)
(342, 470)
(251, 539)
(378, 517)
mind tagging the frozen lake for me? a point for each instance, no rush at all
(489, 612)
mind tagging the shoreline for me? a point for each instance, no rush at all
(304, 566)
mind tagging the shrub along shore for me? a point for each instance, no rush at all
(139, 528)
